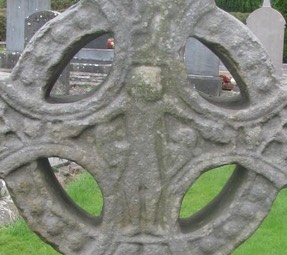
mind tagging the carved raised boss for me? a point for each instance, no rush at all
(144, 134)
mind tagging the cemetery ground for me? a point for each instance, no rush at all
(270, 238)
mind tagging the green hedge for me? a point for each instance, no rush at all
(62, 5)
(243, 6)
(242, 16)
(2, 26)
(281, 6)
(2, 3)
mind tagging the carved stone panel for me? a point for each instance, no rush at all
(144, 134)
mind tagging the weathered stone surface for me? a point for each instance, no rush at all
(32, 24)
(35, 21)
(3, 190)
(8, 211)
(144, 134)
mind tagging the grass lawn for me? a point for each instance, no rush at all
(270, 238)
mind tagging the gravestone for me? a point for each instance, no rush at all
(96, 51)
(144, 135)
(202, 67)
(17, 11)
(99, 43)
(269, 25)
(35, 21)
(32, 24)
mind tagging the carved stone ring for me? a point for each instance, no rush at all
(144, 134)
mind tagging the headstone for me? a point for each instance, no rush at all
(269, 25)
(35, 21)
(202, 67)
(99, 43)
(96, 51)
(32, 24)
(144, 135)
(17, 11)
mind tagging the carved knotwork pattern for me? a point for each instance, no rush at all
(144, 134)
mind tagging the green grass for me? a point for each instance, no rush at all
(86, 193)
(204, 190)
(269, 239)
(18, 237)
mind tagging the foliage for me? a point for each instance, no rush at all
(281, 6)
(2, 27)
(2, 3)
(239, 5)
(62, 5)
(241, 16)
(285, 48)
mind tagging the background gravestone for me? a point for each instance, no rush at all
(35, 21)
(17, 11)
(202, 67)
(96, 51)
(269, 25)
(99, 43)
(32, 24)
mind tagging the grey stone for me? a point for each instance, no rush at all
(8, 211)
(203, 67)
(90, 54)
(199, 59)
(32, 24)
(17, 11)
(144, 134)
(3, 190)
(99, 43)
(96, 50)
(35, 21)
(9, 59)
(209, 85)
(269, 26)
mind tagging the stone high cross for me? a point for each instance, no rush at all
(145, 135)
